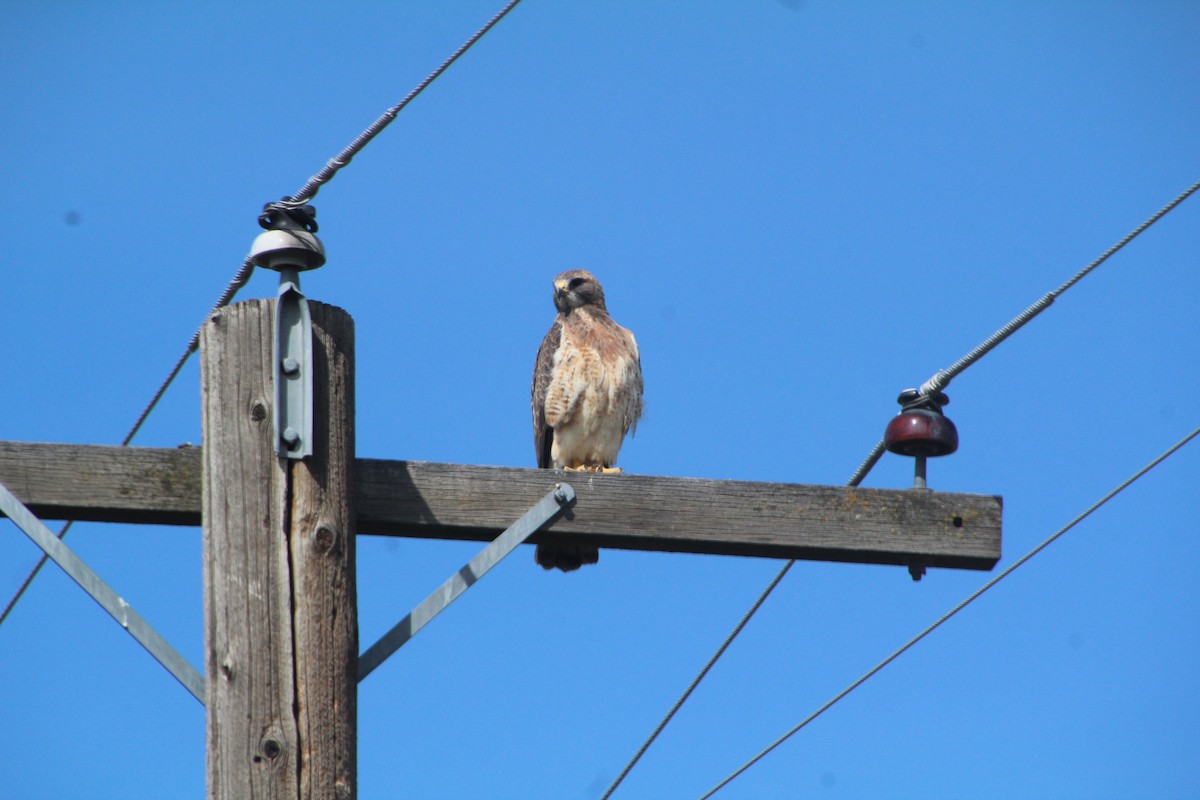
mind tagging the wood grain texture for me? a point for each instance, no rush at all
(693, 515)
(101, 483)
(251, 728)
(322, 538)
(280, 614)
(640, 512)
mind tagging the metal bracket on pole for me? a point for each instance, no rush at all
(289, 246)
(292, 352)
(103, 594)
(547, 509)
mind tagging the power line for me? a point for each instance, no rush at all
(696, 682)
(239, 279)
(343, 158)
(974, 596)
(942, 378)
(762, 598)
(933, 385)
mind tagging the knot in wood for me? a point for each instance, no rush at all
(271, 748)
(258, 412)
(324, 538)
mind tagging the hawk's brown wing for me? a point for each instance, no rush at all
(543, 434)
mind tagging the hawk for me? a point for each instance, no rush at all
(587, 394)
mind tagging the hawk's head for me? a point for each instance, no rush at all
(575, 288)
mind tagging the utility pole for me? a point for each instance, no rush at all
(280, 605)
(281, 625)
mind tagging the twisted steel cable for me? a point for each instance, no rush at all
(934, 384)
(240, 278)
(945, 617)
(942, 378)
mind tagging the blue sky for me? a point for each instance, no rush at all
(800, 208)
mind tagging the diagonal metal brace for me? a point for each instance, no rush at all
(545, 511)
(103, 594)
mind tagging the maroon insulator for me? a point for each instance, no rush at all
(922, 431)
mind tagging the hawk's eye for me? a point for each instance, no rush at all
(575, 283)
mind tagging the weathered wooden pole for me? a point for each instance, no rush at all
(280, 606)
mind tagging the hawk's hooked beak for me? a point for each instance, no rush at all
(561, 302)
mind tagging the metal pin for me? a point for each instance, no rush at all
(919, 473)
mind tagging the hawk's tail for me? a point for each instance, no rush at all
(565, 557)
